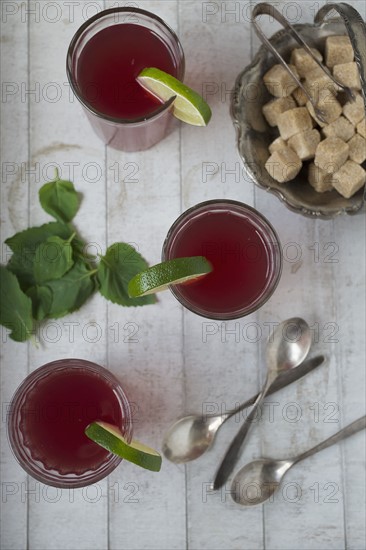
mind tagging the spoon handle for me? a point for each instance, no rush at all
(282, 381)
(349, 430)
(232, 454)
(234, 451)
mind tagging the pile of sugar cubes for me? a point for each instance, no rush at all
(334, 150)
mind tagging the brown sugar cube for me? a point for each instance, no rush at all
(283, 165)
(278, 143)
(320, 180)
(330, 154)
(347, 74)
(338, 49)
(279, 82)
(293, 121)
(349, 179)
(361, 128)
(303, 61)
(300, 97)
(329, 105)
(341, 127)
(305, 143)
(354, 110)
(357, 149)
(317, 80)
(273, 108)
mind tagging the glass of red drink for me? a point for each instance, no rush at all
(104, 58)
(244, 251)
(48, 416)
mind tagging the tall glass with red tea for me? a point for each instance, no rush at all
(48, 416)
(105, 57)
(244, 251)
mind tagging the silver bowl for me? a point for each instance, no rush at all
(254, 134)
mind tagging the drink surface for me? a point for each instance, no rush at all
(55, 414)
(109, 64)
(239, 256)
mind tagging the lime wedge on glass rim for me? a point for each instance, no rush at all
(188, 105)
(172, 272)
(110, 437)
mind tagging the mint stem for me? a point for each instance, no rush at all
(71, 238)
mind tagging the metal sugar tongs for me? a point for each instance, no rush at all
(268, 9)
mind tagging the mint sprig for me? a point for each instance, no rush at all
(49, 276)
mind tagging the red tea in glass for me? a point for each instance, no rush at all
(243, 249)
(105, 57)
(48, 416)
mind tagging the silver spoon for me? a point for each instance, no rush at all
(258, 480)
(287, 348)
(190, 437)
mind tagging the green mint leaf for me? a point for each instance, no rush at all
(53, 259)
(120, 263)
(79, 248)
(24, 246)
(59, 199)
(41, 297)
(71, 291)
(33, 236)
(15, 307)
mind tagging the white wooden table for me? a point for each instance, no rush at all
(169, 360)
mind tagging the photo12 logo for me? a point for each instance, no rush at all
(254, 332)
(273, 411)
(33, 491)
(241, 12)
(53, 12)
(292, 492)
(89, 172)
(91, 332)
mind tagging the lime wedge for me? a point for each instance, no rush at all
(188, 105)
(160, 276)
(110, 437)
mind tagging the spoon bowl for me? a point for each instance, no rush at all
(190, 437)
(257, 481)
(246, 488)
(288, 346)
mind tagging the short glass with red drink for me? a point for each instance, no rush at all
(244, 251)
(105, 56)
(48, 416)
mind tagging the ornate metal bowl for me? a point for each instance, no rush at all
(254, 134)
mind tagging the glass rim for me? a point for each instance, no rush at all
(69, 60)
(275, 252)
(33, 467)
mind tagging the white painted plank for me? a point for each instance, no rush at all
(349, 277)
(142, 203)
(221, 368)
(61, 134)
(14, 217)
